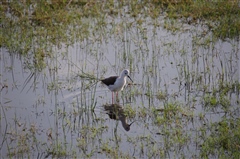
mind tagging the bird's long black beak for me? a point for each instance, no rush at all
(130, 78)
(132, 123)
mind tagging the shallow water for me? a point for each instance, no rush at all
(59, 112)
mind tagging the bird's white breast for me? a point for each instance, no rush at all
(118, 85)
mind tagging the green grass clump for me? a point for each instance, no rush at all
(222, 17)
(224, 140)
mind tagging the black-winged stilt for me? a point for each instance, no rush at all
(117, 83)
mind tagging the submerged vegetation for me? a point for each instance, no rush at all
(223, 141)
(220, 16)
(25, 25)
(183, 57)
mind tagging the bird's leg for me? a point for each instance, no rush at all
(112, 97)
(116, 96)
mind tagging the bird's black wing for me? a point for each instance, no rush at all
(110, 80)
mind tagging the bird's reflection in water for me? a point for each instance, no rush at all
(116, 112)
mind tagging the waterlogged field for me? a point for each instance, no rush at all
(184, 102)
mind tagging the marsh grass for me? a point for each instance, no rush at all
(223, 140)
(28, 23)
(221, 17)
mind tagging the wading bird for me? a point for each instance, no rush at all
(117, 83)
